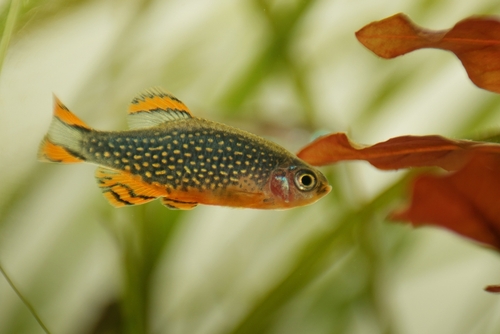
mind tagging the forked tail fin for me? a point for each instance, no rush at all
(63, 141)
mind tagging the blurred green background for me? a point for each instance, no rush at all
(286, 70)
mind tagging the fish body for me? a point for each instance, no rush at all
(183, 160)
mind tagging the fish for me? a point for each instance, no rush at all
(181, 159)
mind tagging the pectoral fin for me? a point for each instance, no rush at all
(177, 205)
(122, 188)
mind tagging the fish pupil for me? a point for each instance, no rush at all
(306, 180)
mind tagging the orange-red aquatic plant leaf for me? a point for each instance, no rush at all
(492, 288)
(395, 153)
(475, 41)
(466, 201)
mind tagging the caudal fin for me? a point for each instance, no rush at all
(63, 142)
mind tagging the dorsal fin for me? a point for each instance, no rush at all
(154, 107)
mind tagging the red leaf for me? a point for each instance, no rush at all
(396, 153)
(493, 288)
(466, 201)
(475, 41)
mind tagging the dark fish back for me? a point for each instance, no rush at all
(193, 153)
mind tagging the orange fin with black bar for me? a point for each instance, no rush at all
(50, 152)
(63, 142)
(122, 188)
(154, 107)
(178, 205)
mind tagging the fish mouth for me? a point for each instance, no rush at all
(325, 189)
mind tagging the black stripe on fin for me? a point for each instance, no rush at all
(154, 107)
(123, 188)
(178, 205)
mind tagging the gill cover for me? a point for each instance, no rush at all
(280, 186)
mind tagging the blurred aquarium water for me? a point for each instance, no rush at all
(281, 69)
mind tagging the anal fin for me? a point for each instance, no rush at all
(178, 205)
(123, 188)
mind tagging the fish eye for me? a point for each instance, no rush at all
(305, 180)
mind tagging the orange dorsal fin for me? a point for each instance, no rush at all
(178, 205)
(123, 188)
(154, 107)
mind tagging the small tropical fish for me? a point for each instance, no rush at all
(183, 160)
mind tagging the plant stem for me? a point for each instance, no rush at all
(24, 300)
(10, 25)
